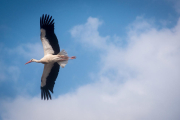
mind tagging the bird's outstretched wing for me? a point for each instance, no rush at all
(48, 79)
(50, 46)
(48, 37)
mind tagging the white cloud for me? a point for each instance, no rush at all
(9, 72)
(140, 81)
(88, 34)
(13, 72)
(176, 4)
(28, 50)
(2, 73)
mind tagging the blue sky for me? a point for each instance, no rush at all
(127, 59)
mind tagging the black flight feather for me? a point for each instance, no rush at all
(47, 23)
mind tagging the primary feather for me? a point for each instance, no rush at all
(50, 46)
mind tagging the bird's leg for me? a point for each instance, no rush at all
(64, 57)
(67, 58)
(73, 57)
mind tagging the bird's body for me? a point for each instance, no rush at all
(52, 59)
(49, 58)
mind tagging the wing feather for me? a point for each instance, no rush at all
(48, 79)
(50, 46)
(48, 37)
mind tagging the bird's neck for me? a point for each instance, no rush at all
(38, 61)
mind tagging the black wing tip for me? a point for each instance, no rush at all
(45, 21)
(45, 94)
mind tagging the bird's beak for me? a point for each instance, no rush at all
(28, 62)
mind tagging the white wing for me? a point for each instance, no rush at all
(46, 72)
(48, 37)
(50, 46)
(45, 42)
(48, 79)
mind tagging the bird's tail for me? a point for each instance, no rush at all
(63, 52)
(64, 62)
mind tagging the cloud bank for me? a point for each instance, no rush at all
(26, 51)
(139, 81)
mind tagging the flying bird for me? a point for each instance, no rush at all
(52, 59)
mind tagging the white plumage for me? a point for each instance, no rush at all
(52, 59)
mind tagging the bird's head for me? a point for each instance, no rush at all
(32, 60)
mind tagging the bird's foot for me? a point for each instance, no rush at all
(73, 57)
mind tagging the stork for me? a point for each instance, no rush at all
(52, 59)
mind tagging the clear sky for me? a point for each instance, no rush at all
(127, 65)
